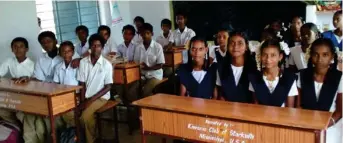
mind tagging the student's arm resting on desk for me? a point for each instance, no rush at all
(183, 90)
(337, 115)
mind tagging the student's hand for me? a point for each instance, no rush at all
(22, 80)
(75, 63)
(86, 54)
(84, 105)
(144, 66)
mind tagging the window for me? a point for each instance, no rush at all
(62, 17)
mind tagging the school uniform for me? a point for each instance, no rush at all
(151, 56)
(273, 93)
(126, 51)
(337, 41)
(322, 96)
(95, 77)
(65, 75)
(110, 46)
(181, 38)
(164, 41)
(16, 70)
(234, 82)
(137, 39)
(297, 58)
(80, 50)
(217, 54)
(200, 84)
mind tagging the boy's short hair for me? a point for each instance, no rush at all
(181, 13)
(82, 27)
(104, 27)
(48, 34)
(139, 19)
(67, 43)
(20, 39)
(223, 29)
(129, 27)
(338, 12)
(166, 22)
(96, 37)
(147, 26)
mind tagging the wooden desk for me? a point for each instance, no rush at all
(203, 120)
(39, 98)
(173, 57)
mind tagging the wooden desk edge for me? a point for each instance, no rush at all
(291, 125)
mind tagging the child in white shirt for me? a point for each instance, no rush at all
(82, 47)
(166, 33)
(110, 48)
(127, 48)
(222, 39)
(138, 21)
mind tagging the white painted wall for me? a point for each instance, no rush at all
(319, 18)
(18, 19)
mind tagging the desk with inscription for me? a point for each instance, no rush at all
(202, 120)
(39, 98)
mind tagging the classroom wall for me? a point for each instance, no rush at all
(18, 18)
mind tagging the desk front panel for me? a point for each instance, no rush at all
(206, 129)
(168, 56)
(37, 104)
(132, 74)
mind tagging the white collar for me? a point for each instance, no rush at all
(99, 61)
(161, 34)
(185, 30)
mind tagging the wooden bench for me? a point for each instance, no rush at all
(111, 104)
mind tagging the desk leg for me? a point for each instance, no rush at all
(173, 79)
(52, 122)
(143, 140)
(77, 121)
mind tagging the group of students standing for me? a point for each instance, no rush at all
(308, 77)
(230, 72)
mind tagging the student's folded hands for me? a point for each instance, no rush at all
(21, 80)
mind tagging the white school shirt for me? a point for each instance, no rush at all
(45, 66)
(182, 38)
(127, 52)
(213, 53)
(237, 72)
(292, 92)
(297, 58)
(199, 75)
(334, 133)
(17, 69)
(137, 39)
(110, 46)
(80, 50)
(163, 40)
(95, 76)
(65, 75)
(152, 56)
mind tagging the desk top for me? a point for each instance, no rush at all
(290, 117)
(36, 87)
(175, 50)
(126, 65)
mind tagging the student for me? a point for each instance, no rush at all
(138, 21)
(220, 52)
(127, 48)
(309, 33)
(271, 86)
(151, 58)
(181, 35)
(267, 34)
(232, 75)
(320, 86)
(64, 73)
(166, 33)
(293, 37)
(95, 76)
(82, 47)
(110, 48)
(336, 35)
(20, 68)
(197, 77)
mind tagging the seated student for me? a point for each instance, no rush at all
(138, 21)
(182, 35)
(272, 86)
(82, 47)
(150, 55)
(20, 68)
(220, 52)
(110, 47)
(197, 77)
(232, 76)
(127, 48)
(64, 73)
(293, 36)
(95, 75)
(309, 33)
(320, 86)
(166, 33)
(336, 35)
